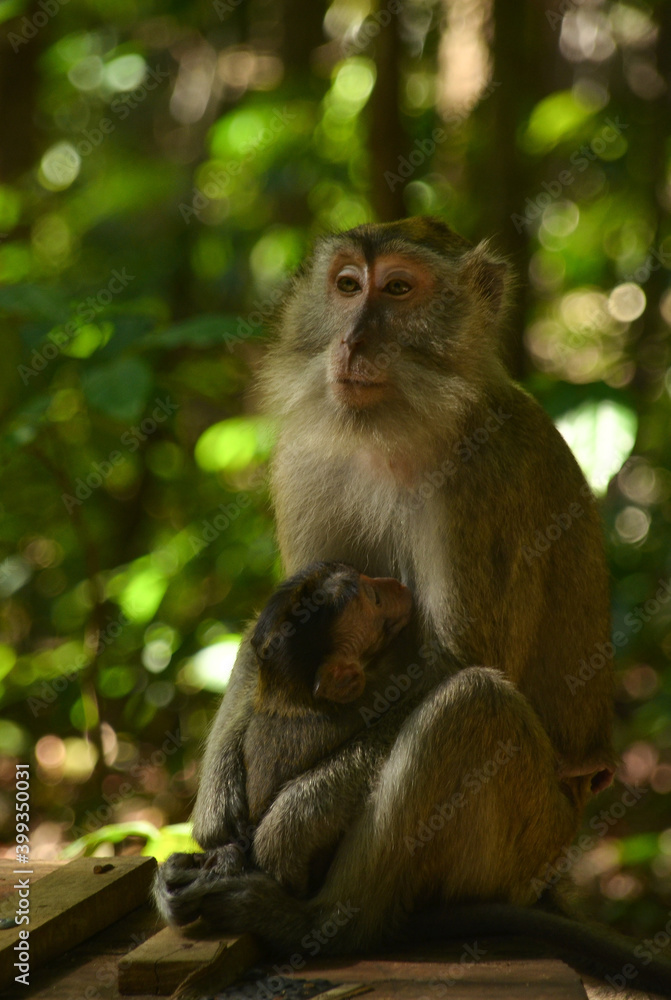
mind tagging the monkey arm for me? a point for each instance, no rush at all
(308, 817)
(312, 812)
(220, 813)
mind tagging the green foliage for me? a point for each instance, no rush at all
(158, 844)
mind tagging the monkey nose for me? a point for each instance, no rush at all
(353, 339)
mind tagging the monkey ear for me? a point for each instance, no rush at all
(487, 275)
(339, 680)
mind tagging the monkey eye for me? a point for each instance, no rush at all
(347, 284)
(397, 286)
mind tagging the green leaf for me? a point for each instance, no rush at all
(34, 302)
(114, 833)
(202, 331)
(172, 839)
(601, 435)
(234, 444)
(557, 117)
(120, 388)
(639, 848)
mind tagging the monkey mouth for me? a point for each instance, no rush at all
(357, 392)
(359, 381)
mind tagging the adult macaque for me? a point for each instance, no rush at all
(406, 450)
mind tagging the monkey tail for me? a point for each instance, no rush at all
(587, 947)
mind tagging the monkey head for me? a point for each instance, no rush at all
(389, 317)
(322, 628)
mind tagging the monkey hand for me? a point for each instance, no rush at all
(227, 860)
(248, 902)
(179, 873)
(184, 878)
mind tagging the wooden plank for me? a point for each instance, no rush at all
(160, 964)
(535, 979)
(72, 903)
(8, 878)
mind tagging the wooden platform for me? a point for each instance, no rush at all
(496, 969)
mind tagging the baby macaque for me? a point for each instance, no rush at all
(317, 644)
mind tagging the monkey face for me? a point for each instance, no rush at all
(380, 609)
(387, 603)
(371, 298)
(390, 328)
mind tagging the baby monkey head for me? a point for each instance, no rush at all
(392, 314)
(321, 628)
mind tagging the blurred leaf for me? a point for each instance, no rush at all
(172, 839)
(556, 117)
(234, 444)
(210, 669)
(639, 849)
(120, 388)
(601, 435)
(35, 302)
(114, 833)
(202, 331)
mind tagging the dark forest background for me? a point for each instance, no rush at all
(163, 167)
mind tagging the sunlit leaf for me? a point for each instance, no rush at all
(113, 833)
(601, 435)
(640, 848)
(234, 444)
(211, 667)
(143, 593)
(556, 117)
(176, 838)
